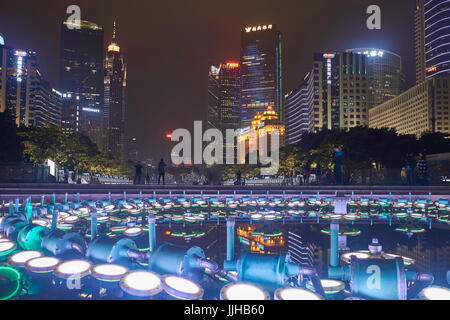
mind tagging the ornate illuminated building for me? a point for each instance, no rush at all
(81, 73)
(259, 241)
(263, 124)
(114, 99)
(261, 72)
(432, 38)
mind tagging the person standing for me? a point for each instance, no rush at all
(238, 178)
(138, 175)
(338, 163)
(307, 171)
(409, 168)
(423, 169)
(162, 171)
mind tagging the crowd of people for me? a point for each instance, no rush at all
(161, 173)
(415, 171)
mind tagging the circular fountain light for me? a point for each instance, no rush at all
(329, 286)
(132, 232)
(406, 261)
(435, 293)
(63, 214)
(243, 291)
(42, 264)
(64, 226)
(358, 254)
(291, 293)
(41, 222)
(181, 288)
(70, 268)
(19, 259)
(71, 219)
(6, 247)
(108, 272)
(141, 283)
(10, 282)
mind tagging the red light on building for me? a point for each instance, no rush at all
(232, 65)
(169, 136)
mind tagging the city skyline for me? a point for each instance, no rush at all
(154, 56)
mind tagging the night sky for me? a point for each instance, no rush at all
(168, 46)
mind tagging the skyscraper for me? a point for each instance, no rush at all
(81, 73)
(341, 90)
(70, 117)
(385, 76)
(114, 99)
(432, 38)
(422, 108)
(261, 72)
(223, 96)
(229, 93)
(299, 110)
(47, 105)
(24, 91)
(213, 98)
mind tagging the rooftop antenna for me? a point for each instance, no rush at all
(114, 32)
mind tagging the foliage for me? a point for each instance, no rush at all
(73, 152)
(11, 149)
(364, 148)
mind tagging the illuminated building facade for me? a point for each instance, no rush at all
(114, 99)
(432, 38)
(341, 91)
(70, 115)
(423, 108)
(24, 91)
(223, 96)
(229, 91)
(259, 241)
(47, 107)
(299, 110)
(213, 98)
(385, 76)
(261, 72)
(81, 73)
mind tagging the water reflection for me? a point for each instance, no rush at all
(430, 249)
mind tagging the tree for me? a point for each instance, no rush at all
(10, 147)
(73, 152)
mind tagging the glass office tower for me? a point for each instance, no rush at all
(384, 72)
(81, 73)
(432, 38)
(261, 72)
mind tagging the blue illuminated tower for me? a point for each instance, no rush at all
(432, 38)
